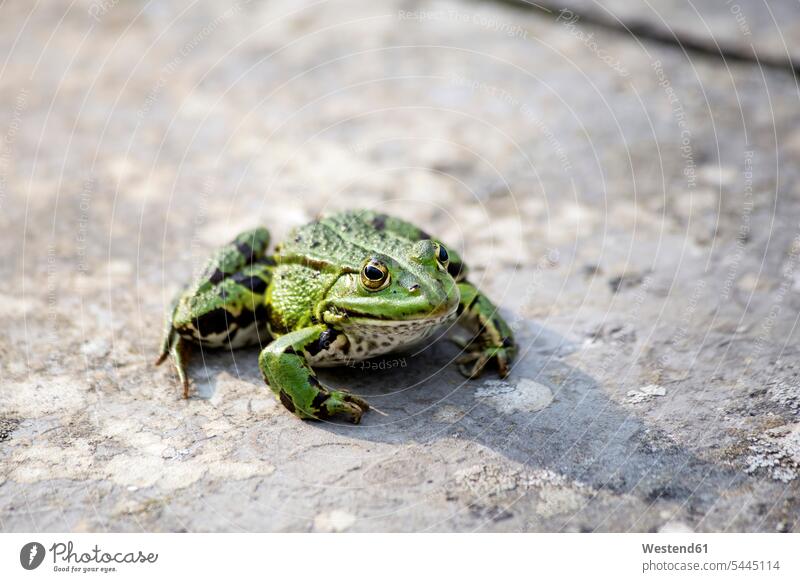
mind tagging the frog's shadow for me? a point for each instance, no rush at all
(581, 434)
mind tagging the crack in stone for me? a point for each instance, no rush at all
(647, 31)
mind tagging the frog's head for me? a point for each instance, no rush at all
(412, 286)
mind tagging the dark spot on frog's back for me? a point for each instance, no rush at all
(269, 261)
(246, 317)
(253, 282)
(216, 277)
(245, 249)
(214, 322)
(379, 222)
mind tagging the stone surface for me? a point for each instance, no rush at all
(634, 209)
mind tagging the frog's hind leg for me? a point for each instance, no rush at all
(285, 368)
(225, 306)
(230, 314)
(180, 349)
(249, 247)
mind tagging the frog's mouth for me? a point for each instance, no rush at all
(369, 311)
(422, 320)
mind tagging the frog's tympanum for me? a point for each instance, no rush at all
(341, 289)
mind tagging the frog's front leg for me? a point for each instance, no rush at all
(288, 374)
(493, 340)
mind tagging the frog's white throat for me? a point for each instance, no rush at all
(363, 338)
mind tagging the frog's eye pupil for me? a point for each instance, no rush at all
(443, 256)
(373, 273)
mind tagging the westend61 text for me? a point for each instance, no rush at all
(672, 549)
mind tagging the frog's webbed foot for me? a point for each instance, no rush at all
(474, 361)
(338, 402)
(494, 340)
(285, 368)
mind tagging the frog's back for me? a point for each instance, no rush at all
(345, 239)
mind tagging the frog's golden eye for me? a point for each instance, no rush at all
(374, 275)
(442, 256)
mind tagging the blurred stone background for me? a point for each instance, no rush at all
(621, 177)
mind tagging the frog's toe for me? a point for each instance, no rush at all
(503, 360)
(184, 378)
(474, 363)
(358, 401)
(180, 351)
(342, 402)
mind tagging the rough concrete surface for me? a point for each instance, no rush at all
(634, 208)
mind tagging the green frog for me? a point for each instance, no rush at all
(341, 289)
